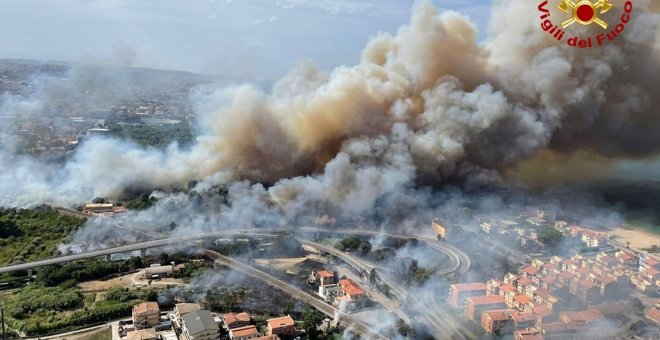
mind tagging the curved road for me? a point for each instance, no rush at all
(460, 261)
(356, 326)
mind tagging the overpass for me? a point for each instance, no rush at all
(459, 261)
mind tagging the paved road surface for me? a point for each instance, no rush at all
(355, 325)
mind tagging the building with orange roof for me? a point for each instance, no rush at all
(243, 333)
(653, 314)
(529, 271)
(282, 326)
(476, 305)
(352, 290)
(497, 322)
(236, 320)
(544, 315)
(580, 317)
(146, 315)
(523, 320)
(461, 291)
(528, 334)
(326, 277)
(521, 301)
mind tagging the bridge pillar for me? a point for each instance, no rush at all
(143, 253)
(30, 273)
(107, 257)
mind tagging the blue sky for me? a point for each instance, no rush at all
(259, 39)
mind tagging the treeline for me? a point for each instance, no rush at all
(31, 234)
(158, 136)
(85, 270)
(82, 317)
(36, 298)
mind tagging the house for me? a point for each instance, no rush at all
(528, 334)
(233, 320)
(156, 271)
(352, 290)
(326, 277)
(588, 292)
(243, 333)
(146, 315)
(476, 305)
(282, 326)
(580, 317)
(626, 258)
(653, 315)
(143, 334)
(329, 292)
(181, 309)
(543, 315)
(497, 322)
(461, 291)
(199, 325)
(523, 320)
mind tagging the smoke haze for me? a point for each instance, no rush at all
(424, 106)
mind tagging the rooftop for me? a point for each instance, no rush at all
(522, 317)
(542, 311)
(283, 321)
(233, 317)
(146, 308)
(326, 274)
(184, 308)
(198, 321)
(522, 298)
(580, 316)
(497, 315)
(149, 333)
(464, 287)
(485, 300)
(530, 270)
(244, 331)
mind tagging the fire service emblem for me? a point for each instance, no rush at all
(584, 12)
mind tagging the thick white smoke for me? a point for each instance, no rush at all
(424, 105)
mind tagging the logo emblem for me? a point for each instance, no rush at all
(584, 12)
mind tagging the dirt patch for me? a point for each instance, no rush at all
(637, 238)
(132, 280)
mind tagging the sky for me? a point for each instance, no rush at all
(257, 39)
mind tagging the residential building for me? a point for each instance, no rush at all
(528, 334)
(461, 291)
(497, 322)
(352, 290)
(236, 320)
(146, 315)
(326, 277)
(243, 333)
(181, 309)
(523, 320)
(282, 326)
(476, 305)
(143, 334)
(199, 325)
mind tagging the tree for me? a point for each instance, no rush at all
(637, 304)
(365, 248)
(164, 258)
(311, 318)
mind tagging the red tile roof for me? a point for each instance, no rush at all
(653, 314)
(522, 317)
(507, 288)
(464, 287)
(522, 299)
(586, 284)
(566, 275)
(244, 331)
(530, 270)
(326, 274)
(497, 315)
(542, 311)
(524, 282)
(485, 300)
(580, 316)
(230, 318)
(351, 288)
(284, 321)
